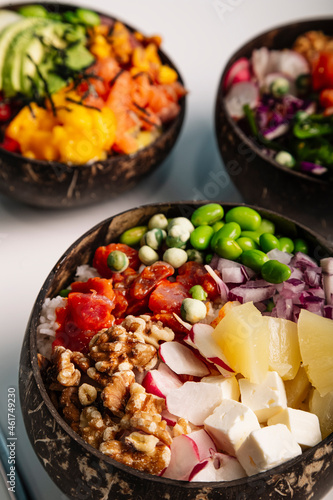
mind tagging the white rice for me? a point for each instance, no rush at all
(47, 327)
(85, 272)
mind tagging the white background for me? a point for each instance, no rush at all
(199, 35)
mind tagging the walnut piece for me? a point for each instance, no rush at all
(153, 462)
(93, 425)
(116, 349)
(143, 412)
(67, 374)
(311, 43)
(71, 407)
(148, 331)
(87, 394)
(114, 394)
(142, 442)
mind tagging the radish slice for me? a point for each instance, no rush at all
(277, 131)
(219, 467)
(201, 338)
(259, 60)
(169, 418)
(182, 360)
(160, 382)
(240, 94)
(239, 71)
(292, 63)
(186, 452)
(194, 401)
(271, 77)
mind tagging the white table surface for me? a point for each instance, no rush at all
(199, 35)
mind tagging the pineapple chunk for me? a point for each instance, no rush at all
(284, 354)
(323, 408)
(297, 389)
(315, 335)
(242, 335)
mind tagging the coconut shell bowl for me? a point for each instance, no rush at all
(258, 176)
(82, 471)
(51, 184)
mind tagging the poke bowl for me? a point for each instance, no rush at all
(268, 107)
(131, 410)
(89, 105)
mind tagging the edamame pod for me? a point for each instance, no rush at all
(275, 272)
(286, 244)
(246, 243)
(132, 236)
(201, 236)
(228, 248)
(254, 259)
(268, 241)
(246, 217)
(207, 214)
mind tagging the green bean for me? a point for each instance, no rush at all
(207, 214)
(201, 236)
(246, 217)
(254, 259)
(132, 236)
(275, 272)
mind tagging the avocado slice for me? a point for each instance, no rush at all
(11, 81)
(8, 17)
(7, 35)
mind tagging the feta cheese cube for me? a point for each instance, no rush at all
(303, 425)
(265, 399)
(266, 448)
(229, 386)
(230, 423)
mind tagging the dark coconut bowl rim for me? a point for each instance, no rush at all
(220, 99)
(169, 126)
(32, 332)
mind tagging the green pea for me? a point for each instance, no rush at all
(65, 292)
(228, 248)
(147, 255)
(246, 243)
(218, 225)
(117, 261)
(254, 235)
(208, 258)
(198, 292)
(246, 217)
(286, 244)
(153, 238)
(270, 306)
(88, 17)
(266, 226)
(33, 11)
(275, 272)
(159, 221)
(201, 236)
(178, 236)
(176, 257)
(268, 241)
(195, 255)
(301, 246)
(207, 214)
(254, 259)
(132, 236)
(193, 310)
